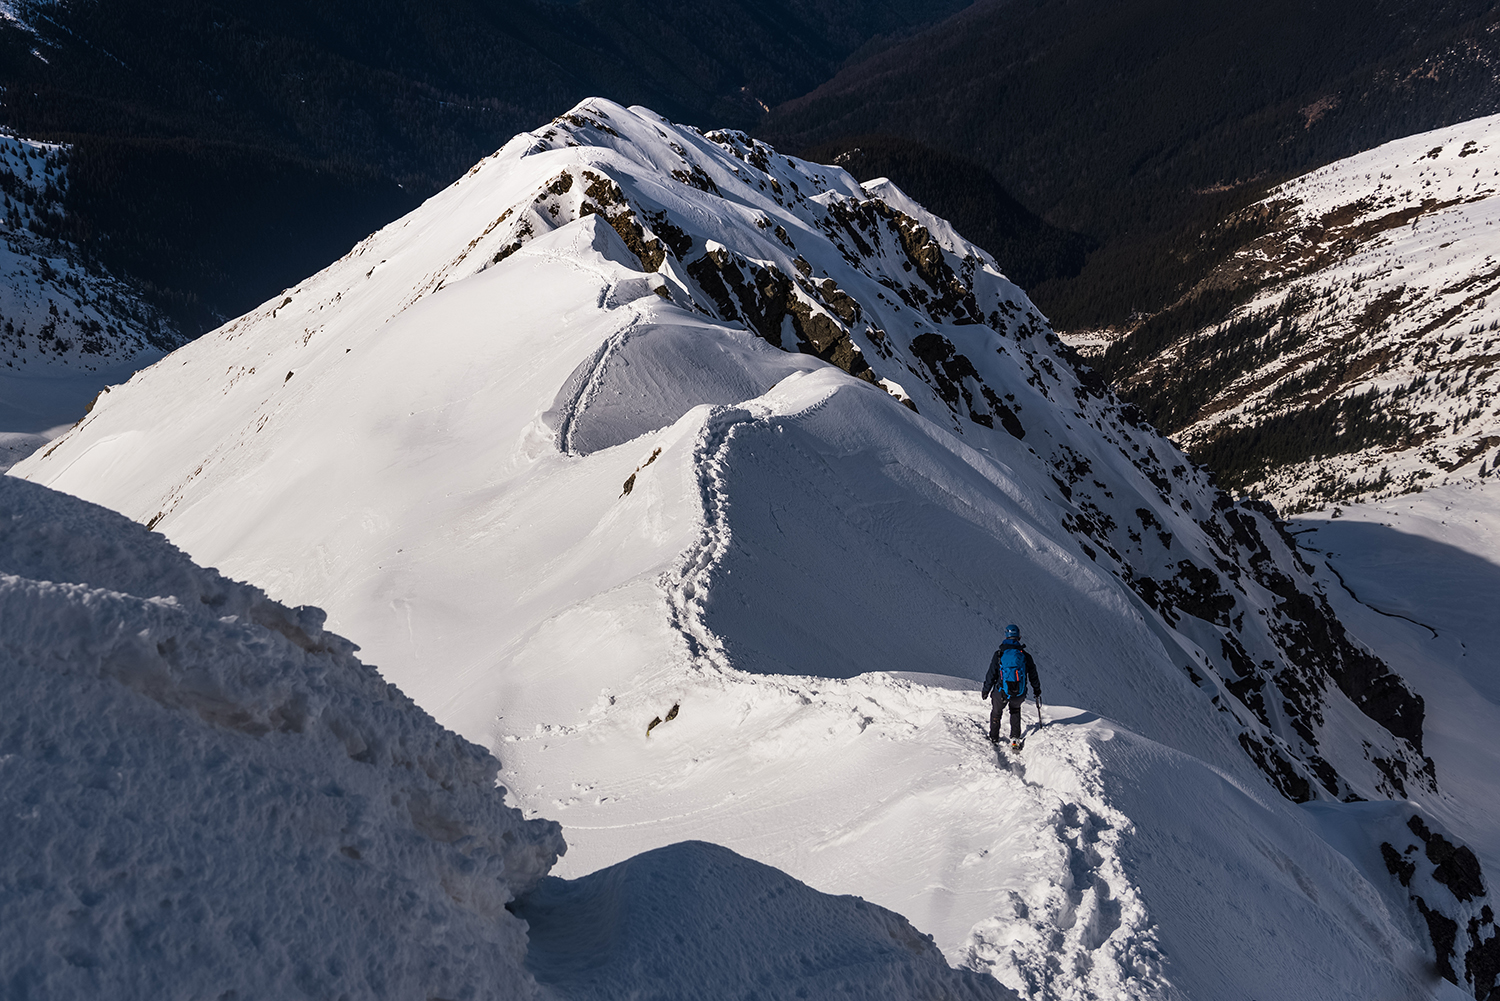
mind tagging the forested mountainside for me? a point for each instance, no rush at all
(1143, 123)
(1347, 348)
(223, 150)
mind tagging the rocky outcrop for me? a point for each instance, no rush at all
(1447, 889)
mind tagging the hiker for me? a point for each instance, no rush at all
(1010, 669)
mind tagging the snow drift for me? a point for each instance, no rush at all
(535, 444)
(635, 930)
(206, 791)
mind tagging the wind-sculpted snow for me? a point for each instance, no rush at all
(535, 445)
(695, 920)
(647, 376)
(204, 790)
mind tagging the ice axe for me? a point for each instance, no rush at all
(1040, 720)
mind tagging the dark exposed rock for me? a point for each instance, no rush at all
(610, 202)
(1457, 866)
(953, 376)
(1396, 865)
(1482, 960)
(1443, 931)
(1281, 771)
(764, 298)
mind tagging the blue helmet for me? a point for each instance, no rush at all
(1012, 632)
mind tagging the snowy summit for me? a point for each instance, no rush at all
(637, 428)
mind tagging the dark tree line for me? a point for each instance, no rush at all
(225, 149)
(1144, 123)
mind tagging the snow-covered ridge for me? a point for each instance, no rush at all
(1370, 306)
(214, 790)
(623, 422)
(719, 228)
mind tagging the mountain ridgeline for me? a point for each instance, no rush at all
(966, 194)
(869, 282)
(651, 457)
(224, 150)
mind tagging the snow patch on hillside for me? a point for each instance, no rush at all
(68, 330)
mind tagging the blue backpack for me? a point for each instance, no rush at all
(1013, 670)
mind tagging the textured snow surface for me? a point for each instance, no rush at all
(534, 446)
(695, 920)
(204, 791)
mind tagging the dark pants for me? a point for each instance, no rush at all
(998, 702)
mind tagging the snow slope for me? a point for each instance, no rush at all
(1415, 578)
(204, 789)
(1370, 288)
(631, 930)
(634, 419)
(67, 329)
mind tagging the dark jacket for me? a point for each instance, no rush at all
(992, 677)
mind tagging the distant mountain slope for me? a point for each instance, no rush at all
(1351, 350)
(68, 328)
(609, 455)
(1137, 122)
(224, 150)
